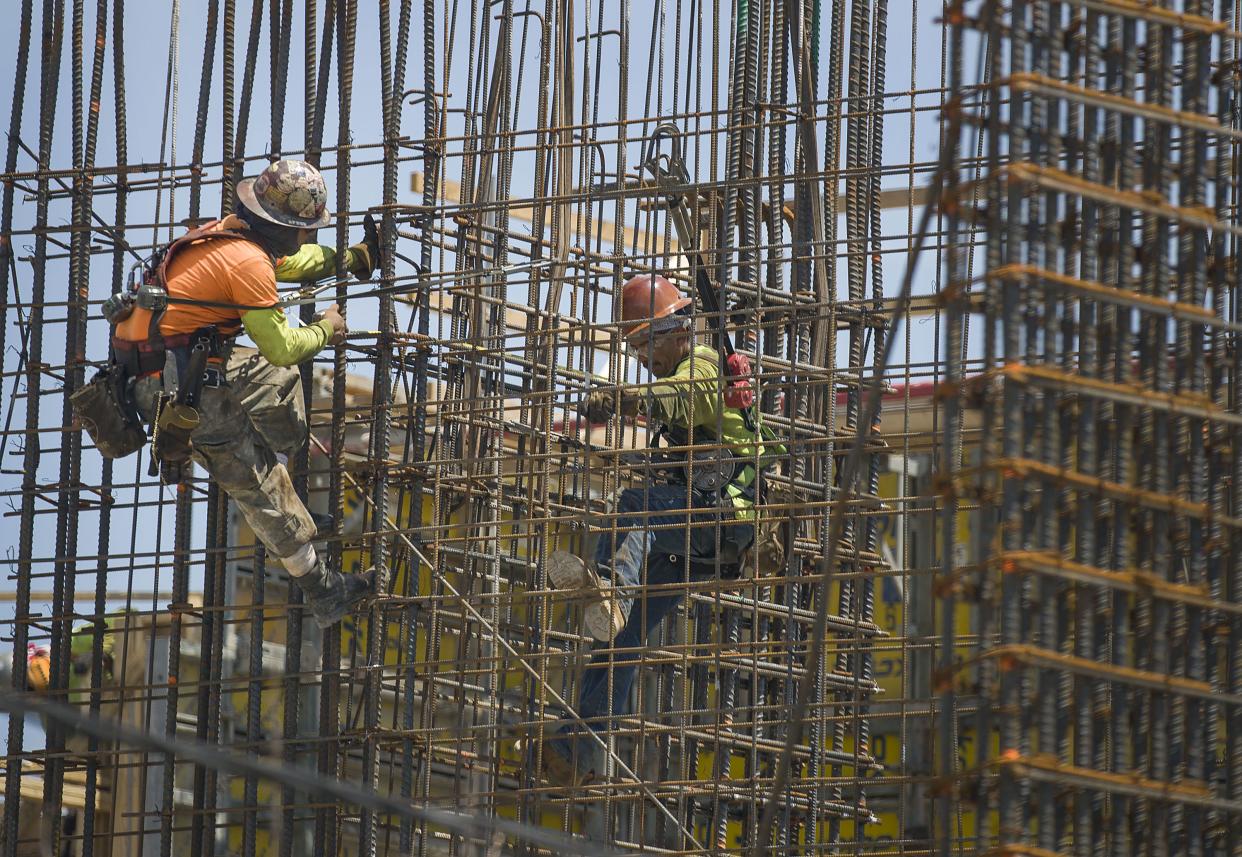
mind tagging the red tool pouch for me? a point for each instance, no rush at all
(738, 394)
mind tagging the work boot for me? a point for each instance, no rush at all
(558, 758)
(332, 595)
(606, 611)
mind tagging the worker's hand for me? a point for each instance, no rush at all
(600, 405)
(333, 316)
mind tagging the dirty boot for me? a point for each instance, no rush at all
(332, 595)
(606, 612)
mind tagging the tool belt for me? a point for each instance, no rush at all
(147, 357)
(104, 408)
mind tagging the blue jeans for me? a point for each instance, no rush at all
(663, 550)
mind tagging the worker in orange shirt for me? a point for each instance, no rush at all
(232, 409)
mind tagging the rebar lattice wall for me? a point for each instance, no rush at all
(1107, 660)
(445, 437)
(1016, 606)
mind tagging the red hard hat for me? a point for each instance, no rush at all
(647, 297)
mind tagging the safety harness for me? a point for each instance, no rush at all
(145, 357)
(718, 475)
(136, 359)
(714, 472)
(107, 408)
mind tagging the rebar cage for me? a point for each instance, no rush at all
(981, 259)
(1106, 660)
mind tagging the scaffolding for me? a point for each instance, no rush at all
(987, 286)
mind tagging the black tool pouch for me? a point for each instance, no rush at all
(98, 409)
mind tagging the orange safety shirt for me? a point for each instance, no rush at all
(230, 271)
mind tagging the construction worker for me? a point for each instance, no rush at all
(710, 506)
(235, 409)
(39, 673)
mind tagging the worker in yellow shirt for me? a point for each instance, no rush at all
(699, 518)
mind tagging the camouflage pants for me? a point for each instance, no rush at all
(258, 413)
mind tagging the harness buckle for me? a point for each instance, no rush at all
(213, 377)
(152, 296)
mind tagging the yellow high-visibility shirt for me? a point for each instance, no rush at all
(691, 398)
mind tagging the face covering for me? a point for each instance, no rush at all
(280, 240)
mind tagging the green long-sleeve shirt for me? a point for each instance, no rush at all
(692, 397)
(315, 261)
(281, 344)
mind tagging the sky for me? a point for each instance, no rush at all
(913, 64)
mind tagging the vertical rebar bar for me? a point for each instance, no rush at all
(51, 40)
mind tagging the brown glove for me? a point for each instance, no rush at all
(600, 405)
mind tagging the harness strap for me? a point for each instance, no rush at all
(160, 275)
(675, 437)
(146, 358)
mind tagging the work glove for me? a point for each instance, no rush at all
(600, 405)
(366, 257)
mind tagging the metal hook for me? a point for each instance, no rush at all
(599, 35)
(675, 160)
(521, 13)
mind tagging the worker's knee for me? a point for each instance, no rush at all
(235, 466)
(266, 498)
(280, 519)
(272, 398)
(246, 469)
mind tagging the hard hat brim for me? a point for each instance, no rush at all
(672, 308)
(247, 197)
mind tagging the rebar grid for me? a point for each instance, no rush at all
(1107, 586)
(1079, 448)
